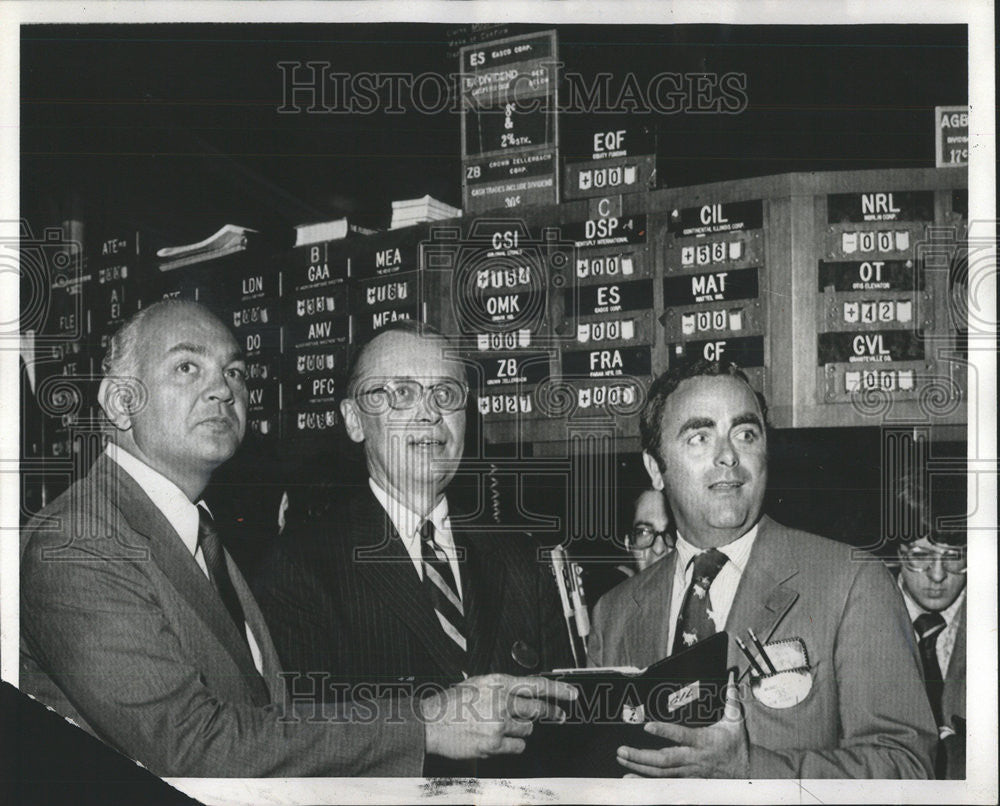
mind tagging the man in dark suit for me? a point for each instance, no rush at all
(388, 588)
(137, 625)
(932, 577)
(845, 698)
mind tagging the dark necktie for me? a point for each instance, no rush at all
(439, 581)
(694, 623)
(215, 560)
(929, 626)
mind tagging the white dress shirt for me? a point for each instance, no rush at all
(179, 512)
(945, 645)
(408, 525)
(723, 589)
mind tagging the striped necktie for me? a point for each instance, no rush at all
(439, 581)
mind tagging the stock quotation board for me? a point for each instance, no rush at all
(570, 281)
(838, 293)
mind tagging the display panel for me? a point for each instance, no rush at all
(509, 98)
(820, 286)
(316, 335)
(880, 329)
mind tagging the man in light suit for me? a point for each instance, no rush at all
(859, 710)
(933, 570)
(349, 595)
(137, 625)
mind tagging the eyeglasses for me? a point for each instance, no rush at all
(642, 537)
(954, 561)
(405, 393)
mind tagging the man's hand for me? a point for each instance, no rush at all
(490, 715)
(717, 751)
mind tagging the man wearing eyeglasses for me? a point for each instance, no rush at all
(648, 540)
(932, 576)
(388, 594)
(138, 626)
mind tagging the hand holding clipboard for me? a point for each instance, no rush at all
(626, 707)
(720, 750)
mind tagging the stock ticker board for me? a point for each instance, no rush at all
(837, 292)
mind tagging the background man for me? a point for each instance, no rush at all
(137, 625)
(864, 715)
(932, 577)
(388, 588)
(649, 540)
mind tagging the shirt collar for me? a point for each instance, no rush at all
(408, 523)
(737, 551)
(165, 495)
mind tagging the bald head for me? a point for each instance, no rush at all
(386, 340)
(175, 392)
(122, 357)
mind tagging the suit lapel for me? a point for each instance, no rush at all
(483, 575)
(172, 558)
(954, 676)
(647, 632)
(958, 652)
(273, 689)
(762, 598)
(381, 561)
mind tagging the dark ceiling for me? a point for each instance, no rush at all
(176, 128)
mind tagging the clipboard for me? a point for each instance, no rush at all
(688, 687)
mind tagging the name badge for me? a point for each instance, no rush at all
(791, 679)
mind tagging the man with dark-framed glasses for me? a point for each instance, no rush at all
(387, 594)
(932, 577)
(649, 539)
(138, 626)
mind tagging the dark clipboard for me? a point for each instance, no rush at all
(688, 687)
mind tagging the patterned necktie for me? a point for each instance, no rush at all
(929, 626)
(439, 581)
(695, 621)
(215, 559)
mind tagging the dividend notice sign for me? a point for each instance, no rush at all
(509, 135)
(951, 136)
